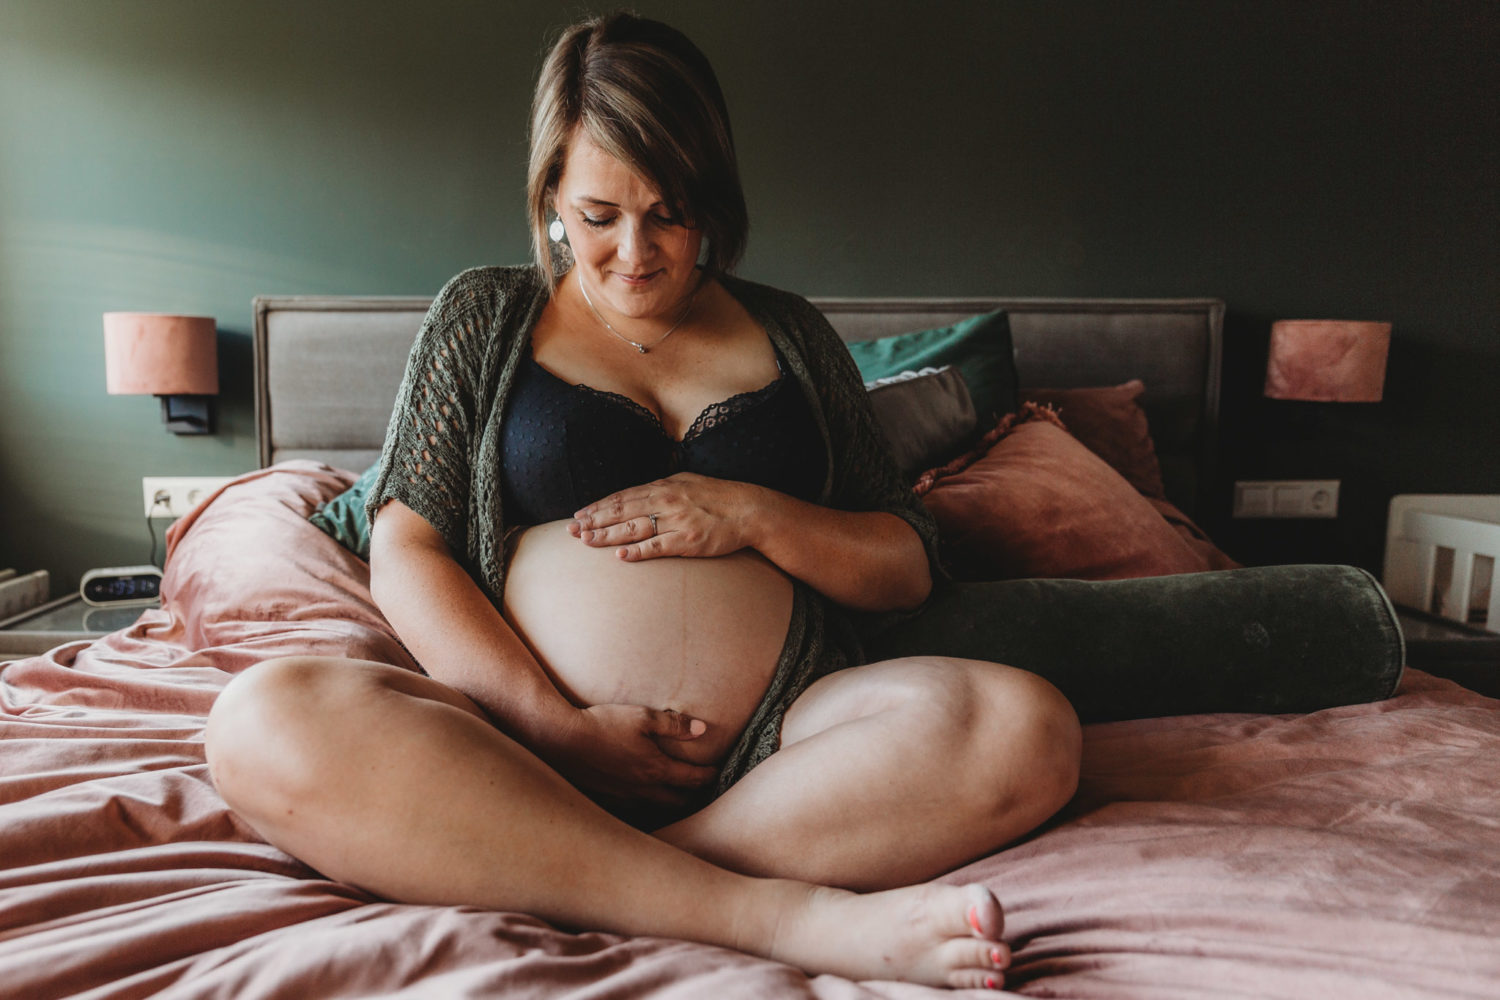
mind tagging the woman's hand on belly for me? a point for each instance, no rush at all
(866, 560)
(625, 751)
(695, 516)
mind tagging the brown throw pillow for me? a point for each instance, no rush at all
(1031, 501)
(927, 416)
(1196, 538)
(1109, 421)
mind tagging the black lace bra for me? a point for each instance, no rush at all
(563, 446)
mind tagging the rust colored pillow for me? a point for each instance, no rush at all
(1109, 421)
(1031, 501)
(1196, 538)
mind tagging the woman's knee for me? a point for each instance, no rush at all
(1022, 727)
(270, 725)
(1054, 739)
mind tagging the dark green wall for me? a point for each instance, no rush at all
(1297, 159)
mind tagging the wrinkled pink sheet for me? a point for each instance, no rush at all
(1349, 853)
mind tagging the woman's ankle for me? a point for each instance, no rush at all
(780, 917)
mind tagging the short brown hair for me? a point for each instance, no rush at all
(647, 96)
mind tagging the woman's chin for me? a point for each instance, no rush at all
(640, 301)
(644, 299)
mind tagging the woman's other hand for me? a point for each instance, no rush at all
(694, 516)
(624, 751)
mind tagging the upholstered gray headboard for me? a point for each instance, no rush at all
(327, 368)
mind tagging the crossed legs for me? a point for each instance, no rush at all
(390, 781)
(894, 772)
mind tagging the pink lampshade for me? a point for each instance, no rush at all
(160, 355)
(1327, 360)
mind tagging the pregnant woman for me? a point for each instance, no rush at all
(633, 519)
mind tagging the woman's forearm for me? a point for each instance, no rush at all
(870, 561)
(458, 636)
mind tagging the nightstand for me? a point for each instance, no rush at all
(64, 620)
(1450, 649)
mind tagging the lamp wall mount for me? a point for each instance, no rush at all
(188, 414)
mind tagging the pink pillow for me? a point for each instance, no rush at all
(1109, 421)
(1031, 501)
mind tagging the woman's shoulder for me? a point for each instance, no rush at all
(472, 320)
(822, 353)
(481, 309)
(790, 312)
(488, 288)
(766, 297)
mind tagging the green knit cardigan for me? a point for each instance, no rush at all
(442, 447)
(442, 454)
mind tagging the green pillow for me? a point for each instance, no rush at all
(343, 517)
(979, 347)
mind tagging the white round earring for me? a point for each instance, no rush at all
(556, 230)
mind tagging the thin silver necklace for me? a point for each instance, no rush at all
(640, 347)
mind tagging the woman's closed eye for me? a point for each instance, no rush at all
(664, 221)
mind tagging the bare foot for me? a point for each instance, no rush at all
(934, 934)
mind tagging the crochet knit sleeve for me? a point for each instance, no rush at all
(429, 442)
(865, 475)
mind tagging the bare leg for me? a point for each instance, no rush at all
(390, 781)
(895, 772)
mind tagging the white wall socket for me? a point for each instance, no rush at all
(174, 496)
(1286, 498)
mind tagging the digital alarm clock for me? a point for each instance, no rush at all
(120, 585)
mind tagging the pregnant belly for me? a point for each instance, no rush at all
(700, 636)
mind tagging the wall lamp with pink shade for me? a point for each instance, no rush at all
(1327, 361)
(173, 357)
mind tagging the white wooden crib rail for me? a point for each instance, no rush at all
(1440, 555)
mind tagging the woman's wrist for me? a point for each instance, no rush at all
(761, 512)
(546, 727)
(870, 560)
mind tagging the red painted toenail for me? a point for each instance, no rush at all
(989, 982)
(974, 920)
(995, 955)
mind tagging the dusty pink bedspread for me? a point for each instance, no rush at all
(1349, 853)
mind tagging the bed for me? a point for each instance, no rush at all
(1347, 852)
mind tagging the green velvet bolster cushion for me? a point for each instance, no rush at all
(1273, 639)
